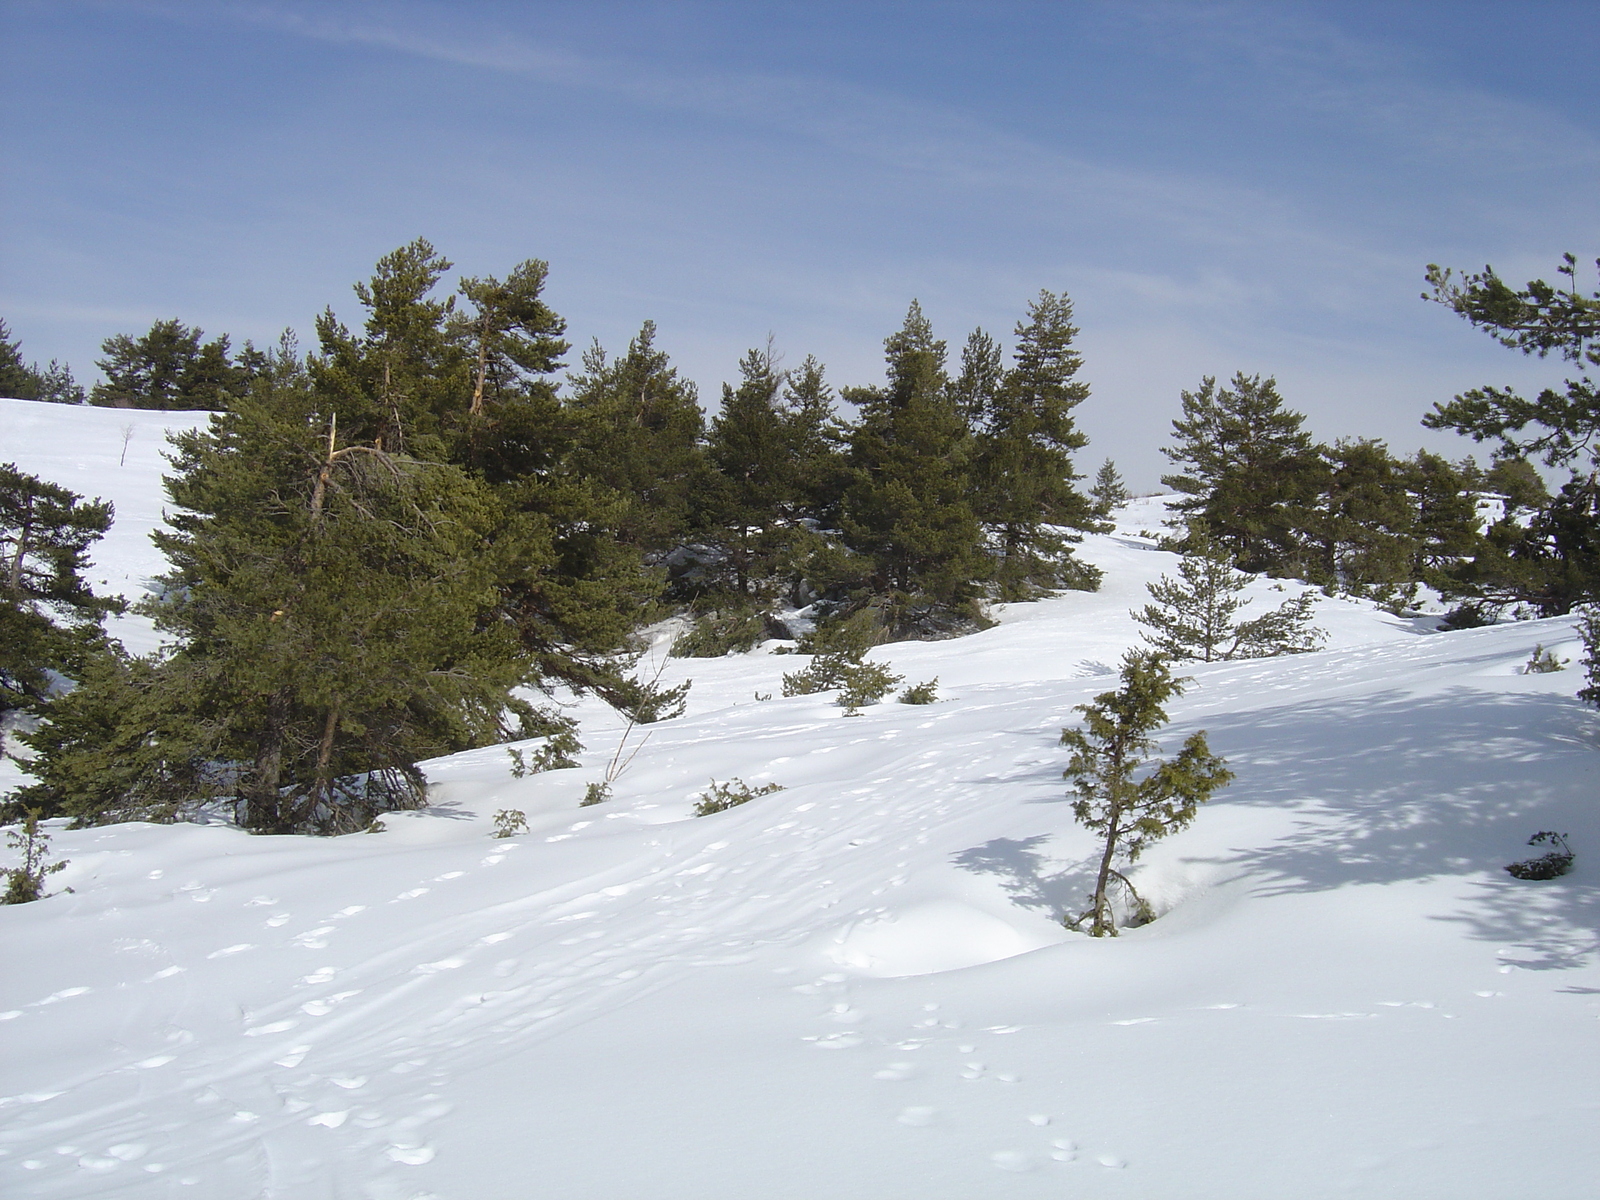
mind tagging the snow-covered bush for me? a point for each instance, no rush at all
(720, 797)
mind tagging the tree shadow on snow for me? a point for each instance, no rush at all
(1027, 874)
(1394, 787)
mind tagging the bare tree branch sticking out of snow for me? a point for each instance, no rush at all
(1129, 811)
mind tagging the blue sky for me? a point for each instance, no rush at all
(1219, 187)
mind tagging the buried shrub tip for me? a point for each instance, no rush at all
(1552, 865)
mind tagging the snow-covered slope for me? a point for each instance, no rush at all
(858, 986)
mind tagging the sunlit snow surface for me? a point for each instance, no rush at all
(856, 987)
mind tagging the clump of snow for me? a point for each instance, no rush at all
(858, 986)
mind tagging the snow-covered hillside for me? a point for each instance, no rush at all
(857, 987)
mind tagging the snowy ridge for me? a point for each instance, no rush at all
(858, 986)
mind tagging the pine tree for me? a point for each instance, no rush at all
(1551, 563)
(1250, 470)
(1540, 320)
(906, 513)
(20, 381)
(49, 617)
(405, 383)
(1194, 616)
(638, 434)
(1109, 493)
(1023, 471)
(16, 380)
(510, 334)
(1128, 809)
(1447, 527)
(328, 605)
(170, 368)
(1360, 535)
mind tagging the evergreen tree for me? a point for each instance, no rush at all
(19, 381)
(1360, 535)
(405, 383)
(1109, 492)
(49, 618)
(1447, 527)
(906, 514)
(1023, 472)
(1193, 617)
(1540, 320)
(1250, 470)
(817, 440)
(16, 380)
(328, 605)
(638, 434)
(1129, 810)
(1551, 562)
(170, 368)
(510, 334)
(755, 495)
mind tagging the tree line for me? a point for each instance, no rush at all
(379, 545)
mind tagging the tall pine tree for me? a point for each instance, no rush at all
(906, 514)
(1022, 470)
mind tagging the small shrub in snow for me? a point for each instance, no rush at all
(1132, 812)
(1552, 865)
(717, 633)
(25, 884)
(858, 683)
(1544, 662)
(509, 822)
(720, 797)
(921, 693)
(595, 793)
(865, 683)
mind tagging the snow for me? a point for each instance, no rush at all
(858, 986)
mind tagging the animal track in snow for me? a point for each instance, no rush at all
(412, 894)
(411, 1156)
(835, 1041)
(1012, 1160)
(228, 951)
(896, 1072)
(918, 1117)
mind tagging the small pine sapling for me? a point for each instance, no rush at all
(1131, 812)
(1544, 662)
(1552, 865)
(1109, 493)
(595, 793)
(865, 683)
(25, 884)
(921, 693)
(720, 797)
(509, 822)
(1193, 617)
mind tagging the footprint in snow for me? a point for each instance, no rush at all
(896, 1071)
(918, 1117)
(412, 894)
(320, 975)
(1012, 1160)
(277, 919)
(411, 1156)
(1063, 1150)
(228, 951)
(835, 1041)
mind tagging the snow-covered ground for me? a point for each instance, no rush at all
(857, 987)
